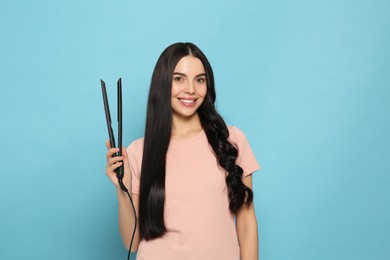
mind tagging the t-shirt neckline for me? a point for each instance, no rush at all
(190, 139)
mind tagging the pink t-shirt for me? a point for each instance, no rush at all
(197, 216)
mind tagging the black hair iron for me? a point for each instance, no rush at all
(118, 171)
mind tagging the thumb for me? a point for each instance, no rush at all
(124, 154)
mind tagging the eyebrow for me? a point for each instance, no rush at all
(182, 74)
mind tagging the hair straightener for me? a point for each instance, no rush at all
(120, 170)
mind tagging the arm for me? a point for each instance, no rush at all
(246, 226)
(126, 214)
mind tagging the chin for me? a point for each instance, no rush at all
(185, 115)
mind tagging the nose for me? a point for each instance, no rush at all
(190, 88)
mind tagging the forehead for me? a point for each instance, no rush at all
(189, 65)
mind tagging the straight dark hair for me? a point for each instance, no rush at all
(157, 137)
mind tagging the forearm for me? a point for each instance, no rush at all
(249, 242)
(126, 220)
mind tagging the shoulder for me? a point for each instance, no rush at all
(136, 146)
(246, 158)
(235, 134)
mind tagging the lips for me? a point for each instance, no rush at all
(188, 102)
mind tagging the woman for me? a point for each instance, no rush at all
(190, 175)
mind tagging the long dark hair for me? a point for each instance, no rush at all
(157, 137)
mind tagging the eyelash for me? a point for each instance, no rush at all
(199, 80)
(178, 79)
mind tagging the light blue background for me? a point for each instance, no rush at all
(307, 81)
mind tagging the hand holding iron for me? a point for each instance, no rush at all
(114, 162)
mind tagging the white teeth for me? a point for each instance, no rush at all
(187, 101)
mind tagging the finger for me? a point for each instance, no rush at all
(111, 152)
(112, 167)
(108, 144)
(115, 159)
(125, 157)
(124, 153)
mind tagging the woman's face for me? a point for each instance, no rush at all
(189, 87)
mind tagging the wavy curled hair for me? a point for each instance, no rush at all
(157, 137)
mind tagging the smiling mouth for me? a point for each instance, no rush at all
(187, 101)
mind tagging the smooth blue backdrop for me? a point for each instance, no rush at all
(307, 81)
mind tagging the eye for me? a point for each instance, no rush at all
(201, 80)
(178, 79)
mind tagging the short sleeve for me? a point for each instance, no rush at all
(245, 159)
(134, 153)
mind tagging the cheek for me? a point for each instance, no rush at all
(175, 90)
(203, 91)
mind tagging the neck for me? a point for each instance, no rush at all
(185, 127)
